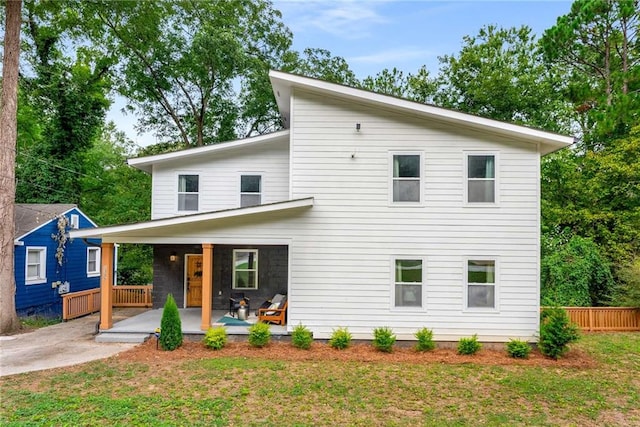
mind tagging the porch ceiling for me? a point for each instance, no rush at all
(174, 229)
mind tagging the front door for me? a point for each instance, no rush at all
(194, 280)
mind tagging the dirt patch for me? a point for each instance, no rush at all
(149, 354)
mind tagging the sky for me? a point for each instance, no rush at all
(373, 35)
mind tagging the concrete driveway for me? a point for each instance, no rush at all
(63, 344)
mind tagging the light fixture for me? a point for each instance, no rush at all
(173, 257)
(357, 127)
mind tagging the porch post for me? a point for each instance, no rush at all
(207, 285)
(106, 285)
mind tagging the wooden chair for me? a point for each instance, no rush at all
(274, 315)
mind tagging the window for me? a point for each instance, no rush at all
(93, 262)
(481, 178)
(36, 268)
(481, 283)
(250, 190)
(188, 186)
(245, 269)
(75, 221)
(408, 280)
(406, 184)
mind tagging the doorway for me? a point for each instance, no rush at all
(193, 280)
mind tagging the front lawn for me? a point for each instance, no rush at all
(237, 390)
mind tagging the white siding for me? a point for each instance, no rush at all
(219, 184)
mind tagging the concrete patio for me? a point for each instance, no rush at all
(141, 327)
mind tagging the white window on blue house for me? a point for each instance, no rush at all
(408, 282)
(188, 192)
(250, 190)
(481, 178)
(36, 265)
(481, 283)
(93, 262)
(245, 269)
(406, 177)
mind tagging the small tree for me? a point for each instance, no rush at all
(302, 337)
(556, 332)
(425, 340)
(170, 326)
(259, 334)
(384, 339)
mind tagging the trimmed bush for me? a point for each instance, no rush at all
(384, 339)
(518, 349)
(215, 338)
(425, 340)
(170, 326)
(340, 338)
(259, 334)
(469, 346)
(556, 332)
(301, 337)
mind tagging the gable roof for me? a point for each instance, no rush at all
(284, 85)
(31, 216)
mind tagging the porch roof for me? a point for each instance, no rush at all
(169, 230)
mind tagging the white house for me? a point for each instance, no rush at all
(367, 210)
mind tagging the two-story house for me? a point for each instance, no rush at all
(367, 210)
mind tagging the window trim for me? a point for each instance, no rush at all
(496, 284)
(74, 221)
(496, 178)
(423, 302)
(392, 179)
(259, 193)
(42, 278)
(233, 276)
(178, 192)
(96, 272)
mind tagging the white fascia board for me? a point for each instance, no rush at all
(283, 84)
(101, 232)
(146, 163)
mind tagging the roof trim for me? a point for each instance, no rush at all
(102, 232)
(284, 83)
(146, 163)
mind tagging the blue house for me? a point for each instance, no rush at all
(47, 263)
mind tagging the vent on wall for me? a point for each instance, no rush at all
(75, 221)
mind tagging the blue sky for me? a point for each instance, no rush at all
(376, 34)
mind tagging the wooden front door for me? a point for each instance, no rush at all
(194, 280)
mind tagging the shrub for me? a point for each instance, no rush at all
(259, 334)
(556, 332)
(215, 338)
(170, 326)
(469, 345)
(384, 339)
(425, 340)
(340, 338)
(301, 337)
(518, 349)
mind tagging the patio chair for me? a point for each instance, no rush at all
(236, 301)
(276, 312)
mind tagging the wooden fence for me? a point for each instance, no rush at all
(81, 303)
(605, 318)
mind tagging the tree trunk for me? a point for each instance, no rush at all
(8, 134)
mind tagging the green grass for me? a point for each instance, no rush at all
(241, 391)
(35, 322)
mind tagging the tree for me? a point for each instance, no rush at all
(321, 64)
(181, 63)
(8, 135)
(419, 87)
(598, 43)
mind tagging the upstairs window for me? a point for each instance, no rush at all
(245, 269)
(406, 175)
(481, 178)
(408, 283)
(36, 268)
(481, 283)
(93, 262)
(250, 190)
(188, 189)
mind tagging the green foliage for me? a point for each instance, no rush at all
(419, 87)
(573, 273)
(425, 340)
(215, 338)
(340, 338)
(383, 339)
(259, 334)
(469, 346)
(518, 349)
(627, 293)
(36, 322)
(170, 326)
(301, 337)
(556, 332)
(321, 64)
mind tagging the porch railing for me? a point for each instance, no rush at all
(605, 318)
(77, 304)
